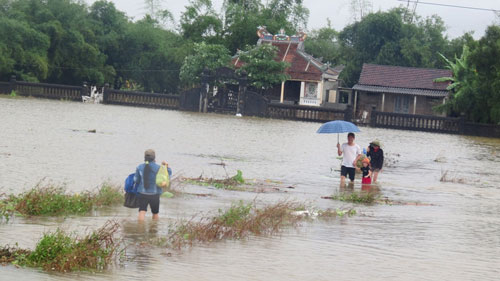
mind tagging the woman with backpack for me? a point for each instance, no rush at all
(148, 193)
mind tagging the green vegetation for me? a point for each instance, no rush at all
(244, 219)
(230, 183)
(476, 77)
(329, 213)
(209, 56)
(63, 252)
(239, 221)
(68, 42)
(13, 94)
(362, 197)
(262, 70)
(53, 200)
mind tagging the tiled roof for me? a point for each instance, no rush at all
(302, 65)
(403, 77)
(407, 91)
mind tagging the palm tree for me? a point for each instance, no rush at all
(462, 86)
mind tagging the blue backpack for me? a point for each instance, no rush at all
(130, 186)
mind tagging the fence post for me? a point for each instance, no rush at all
(83, 91)
(203, 90)
(461, 125)
(373, 119)
(105, 93)
(240, 105)
(348, 113)
(13, 84)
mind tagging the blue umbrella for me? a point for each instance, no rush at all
(337, 127)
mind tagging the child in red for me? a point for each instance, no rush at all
(366, 172)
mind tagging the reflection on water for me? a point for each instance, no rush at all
(454, 236)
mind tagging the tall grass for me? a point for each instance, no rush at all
(362, 197)
(52, 199)
(63, 252)
(240, 221)
(229, 183)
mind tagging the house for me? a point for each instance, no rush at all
(311, 82)
(399, 89)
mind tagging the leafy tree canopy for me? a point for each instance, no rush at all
(205, 56)
(262, 70)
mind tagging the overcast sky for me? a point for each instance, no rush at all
(457, 20)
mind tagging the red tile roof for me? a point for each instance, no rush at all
(403, 77)
(299, 61)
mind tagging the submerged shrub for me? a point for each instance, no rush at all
(63, 252)
(53, 200)
(357, 197)
(239, 221)
(229, 183)
(236, 213)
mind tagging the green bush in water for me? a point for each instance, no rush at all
(59, 251)
(239, 177)
(53, 200)
(236, 213)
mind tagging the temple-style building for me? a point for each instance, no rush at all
(311, 82)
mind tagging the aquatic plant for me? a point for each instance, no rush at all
(63, 252)
(332, 213)
(356, 197)
(13, 93)
(237, 222)
(50, 199)
(229, 183)
(241, 220)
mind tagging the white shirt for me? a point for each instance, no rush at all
(350, 153)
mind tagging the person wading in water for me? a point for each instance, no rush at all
(148, 192)
(351, 152)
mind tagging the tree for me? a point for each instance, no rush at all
(323, 43)
(153, 56)
(242, 19)
(205, 56)
(360, 8)
(384, 38)
(476, 80)
(462, 86)
(23, 51)
(200, 22)
(262, 70)
(484, 57)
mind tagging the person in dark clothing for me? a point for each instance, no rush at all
(376, 155)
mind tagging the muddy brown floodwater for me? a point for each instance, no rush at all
(453, 235)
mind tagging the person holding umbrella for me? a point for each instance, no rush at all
(351, 152)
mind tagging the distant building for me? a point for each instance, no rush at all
(399, 89)
(311, 82)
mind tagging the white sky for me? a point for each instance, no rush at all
(457, 20)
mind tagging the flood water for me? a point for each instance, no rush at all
(454, 234)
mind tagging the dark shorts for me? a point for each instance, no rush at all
(344, 171)
(375, 169)
(153, 200)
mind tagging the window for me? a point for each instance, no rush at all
(343, 97)
(402, 104)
